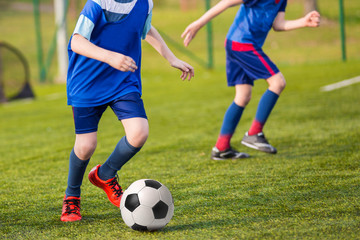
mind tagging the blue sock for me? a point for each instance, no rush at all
(266, 104)
(122, 153)
(77, 169)
(231, 119)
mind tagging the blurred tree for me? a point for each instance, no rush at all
(2, 95)
(310, 5)
(73, 11)
(4, 4)
(187, 4)
(158, 2)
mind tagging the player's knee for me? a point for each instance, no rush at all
(281, 85)
(242, 100)
(242, 94)
(277, 83)
(84, 150)
(282, 82)
(138, 138)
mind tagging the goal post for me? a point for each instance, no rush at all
(58, 42)
(60, 8)
(210, 44)
(342, 29)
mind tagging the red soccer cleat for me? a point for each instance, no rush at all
(111, 186)
(71, 209)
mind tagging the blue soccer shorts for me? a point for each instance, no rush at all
(246, 63)
(87, 119)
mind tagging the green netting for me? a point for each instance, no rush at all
(14, 74)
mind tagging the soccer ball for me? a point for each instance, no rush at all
(147, 205)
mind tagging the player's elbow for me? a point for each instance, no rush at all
(278, 27)
(74, 42)
(279, 22)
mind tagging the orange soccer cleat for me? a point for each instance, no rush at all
(71, 209)
(111, 187)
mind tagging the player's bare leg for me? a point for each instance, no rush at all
(277, 83)
(137, 131)
(242, 94)
(85, 145)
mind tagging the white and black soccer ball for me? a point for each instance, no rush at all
(147, 205)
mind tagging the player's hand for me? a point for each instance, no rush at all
(190, 33)
(187, 69)
(122, 62)
(312, 19)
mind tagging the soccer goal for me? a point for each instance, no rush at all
(14, 74)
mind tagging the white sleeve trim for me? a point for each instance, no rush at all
(98, 2)
(84, 27)
(147, 26)
(151, 5)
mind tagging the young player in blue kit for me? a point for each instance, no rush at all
(246, 62)
(104, 70)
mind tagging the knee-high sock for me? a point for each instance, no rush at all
(266, 105)
(77, 169)
(231, 120)
(122, 153)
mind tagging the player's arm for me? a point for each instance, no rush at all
(154, 38)
(311, 19)
(194, 27)
(82, 46)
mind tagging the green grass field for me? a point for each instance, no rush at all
(309, 190)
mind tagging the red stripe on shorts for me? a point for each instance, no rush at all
(243, 47)
(264, 62)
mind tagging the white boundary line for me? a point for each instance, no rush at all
(341, 84)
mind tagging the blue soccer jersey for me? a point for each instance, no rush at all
(114, 25)
(254, 21)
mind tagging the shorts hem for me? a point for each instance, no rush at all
(128, 117)
(85, 131)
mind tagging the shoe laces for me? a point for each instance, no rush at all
(72, 206)
(114, 185)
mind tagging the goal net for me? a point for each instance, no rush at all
(14, 74)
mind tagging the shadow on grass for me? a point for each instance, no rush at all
(25, 224)
(196, 225)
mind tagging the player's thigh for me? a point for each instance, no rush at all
(136, 130)
(86, 119)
